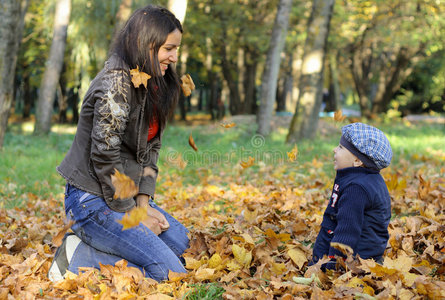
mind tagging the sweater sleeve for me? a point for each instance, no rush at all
(111, 113)
(350, 216)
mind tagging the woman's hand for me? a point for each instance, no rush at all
(153, 212)
(153, 224)
(154, 215)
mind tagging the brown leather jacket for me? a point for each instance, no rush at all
(112, 134)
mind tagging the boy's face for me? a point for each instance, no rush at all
(343, 158)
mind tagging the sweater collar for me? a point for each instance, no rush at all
(356, 170)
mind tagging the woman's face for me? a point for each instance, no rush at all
(168, 53)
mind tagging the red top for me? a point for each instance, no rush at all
(153, 129)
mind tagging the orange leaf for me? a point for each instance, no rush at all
(248, 163)
(57, 240)
(187, 85)
(338, 116)
(124, 186)
(134, 217)
(139, 77)
(228, 125)
(192, 143)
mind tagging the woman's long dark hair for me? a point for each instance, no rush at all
(147, 29)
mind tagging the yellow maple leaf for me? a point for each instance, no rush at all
(174, 276)
(205, 274)
(298, 256)
(215, 261)
(133, 217)
(139, 77)
(124, 186)
(242, 256)
(278, 268)
(292, 155)
(187, 84)
(191, 263)
(233, 265)
(248, 239)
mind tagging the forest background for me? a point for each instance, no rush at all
(277, 71)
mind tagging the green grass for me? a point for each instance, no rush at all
(27, 162)
(205, 291)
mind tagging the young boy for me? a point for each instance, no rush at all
(359, 209)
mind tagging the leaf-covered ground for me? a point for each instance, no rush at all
(251, 232)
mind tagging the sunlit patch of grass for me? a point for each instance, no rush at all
(208, 291)
(27, 162)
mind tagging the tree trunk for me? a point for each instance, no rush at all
(333, 102)
(251, 66)
(285, 95)
(272, 66)
(296, 73)
(53, 68)
(12, 14)
(27, 96)
(304, 124)
(391, 78)
(234, 97)
(361, 73)
(122, 15)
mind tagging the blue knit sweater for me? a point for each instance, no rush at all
(357, 215)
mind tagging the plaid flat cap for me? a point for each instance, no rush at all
(368, 143)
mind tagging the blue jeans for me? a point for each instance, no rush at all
(104, 241)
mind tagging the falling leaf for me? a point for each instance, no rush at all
(139, 77)
(57, 239)
(187, 84)
(178, 161)
(338, 116)
(248, 163)
(124, 186)
(134, 217)
(192, 143)
(227, 125)
(292, 156)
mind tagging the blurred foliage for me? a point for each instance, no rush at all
(380, 27)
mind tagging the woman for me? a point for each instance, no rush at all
(120, 128)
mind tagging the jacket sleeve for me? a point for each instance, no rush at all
(148, 182)
(350, 216)
(111, 113)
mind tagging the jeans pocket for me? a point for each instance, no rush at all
(80, 204)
